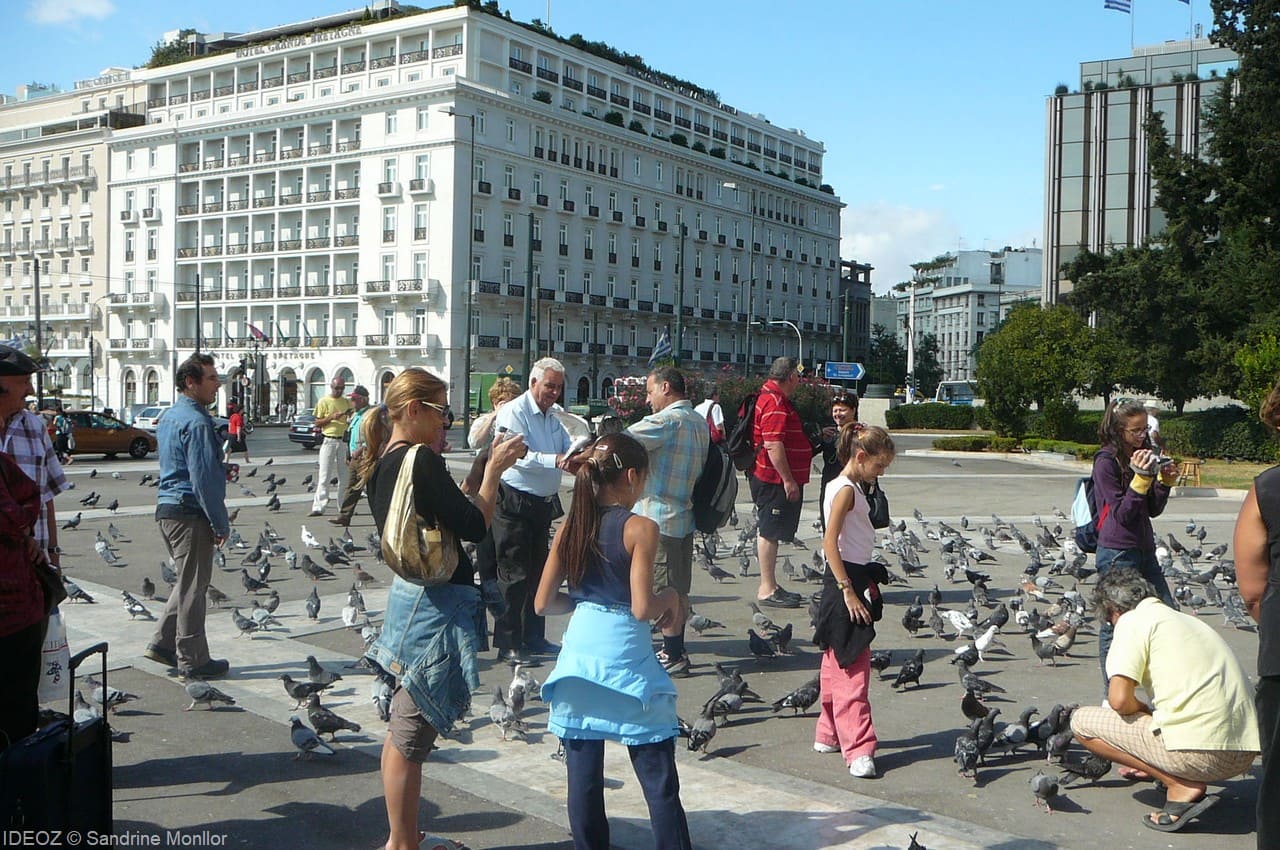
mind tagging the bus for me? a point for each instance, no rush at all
(956, 392)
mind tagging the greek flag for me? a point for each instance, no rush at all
(661, 350)
(1125, 6)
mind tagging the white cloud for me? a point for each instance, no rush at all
(891, 237)
(68, 11)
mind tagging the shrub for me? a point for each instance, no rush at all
(636, 126)
(1229, 432)
(679, 139)
(615, 118)
(542, 96)
(1061, 88)
(1081, 451)
(976, 443)
(718, 153)
(1057, 421)
(699, 147)
(949, 417)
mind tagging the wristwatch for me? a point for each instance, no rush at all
(842, 586)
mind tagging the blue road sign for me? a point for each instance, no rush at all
(845, 371)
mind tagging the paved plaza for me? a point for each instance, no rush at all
(231, 771)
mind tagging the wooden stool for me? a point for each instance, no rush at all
(1189, 473)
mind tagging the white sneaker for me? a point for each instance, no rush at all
(819, 747)
(863, 767)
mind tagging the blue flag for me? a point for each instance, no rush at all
(1125, 6)
(661, 350)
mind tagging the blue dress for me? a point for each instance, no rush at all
(607, 683)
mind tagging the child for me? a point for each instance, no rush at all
(851, 600)
(608, 684)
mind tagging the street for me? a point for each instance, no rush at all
(232, 771)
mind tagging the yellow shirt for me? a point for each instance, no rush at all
(328, 406)
(1199, 692)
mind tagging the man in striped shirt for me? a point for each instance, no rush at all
(676, 438)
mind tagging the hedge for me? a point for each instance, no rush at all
(1226, 432)
(1081, 451)
(976, 443)
(949, 417)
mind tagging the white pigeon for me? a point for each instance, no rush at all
(85, 713)
(350, 615)
(380, 692)
(309, 540)
(960, 622)
(523, 687)
(986, 640)
(104, 552)
(117, 476)
(306, 740)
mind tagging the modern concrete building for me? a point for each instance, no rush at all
(962, 297)
(1098, 188)
(329, 190)
(54, 224)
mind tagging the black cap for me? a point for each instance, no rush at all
(14, 362)
(360, 391)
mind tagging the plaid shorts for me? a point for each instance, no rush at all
(1133, 734)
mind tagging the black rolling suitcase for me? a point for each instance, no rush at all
(59, 777)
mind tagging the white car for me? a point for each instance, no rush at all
(147, 418)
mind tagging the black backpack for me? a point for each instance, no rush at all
(715, 491)
(740, 444)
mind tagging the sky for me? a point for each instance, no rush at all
(932, 112)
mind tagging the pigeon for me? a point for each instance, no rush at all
(107, 697)
(760, 647)
(251, 584)
(325, 721)
(148, 588)
(716, 573)
(272, 603)
(910, 671)
(261, 616)
(1014, 735)
(203, 693)
(800, 699)
(314, 570)
(966, 653)
(1091, 768)
(243, 624)
(703, 729)
(972, 707)
(971, 682)
(307, 741)
(93, 473)
(309, 540)
(134, 607)
(76, 593)
(216, 597)
(83, 712)
(90, 500)
(960, 622)
(522, 687)
(880, 660)
(503, 717)
(761, 620)
(1045, 788)
(380, 692)
(318, 674)
(700, 624)
(781, 640)
(115, 503)
(966, 751)
(1044, 650)
(915, 845)
(300, 691)
(313, 604)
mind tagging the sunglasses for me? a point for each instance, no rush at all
(442, 409)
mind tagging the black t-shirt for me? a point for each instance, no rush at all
(1267, 490)
(436, 498)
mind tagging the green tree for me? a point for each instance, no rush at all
(928, 370)
(172, 53)
(1036, 356)
(1259, 364)
(887, 359)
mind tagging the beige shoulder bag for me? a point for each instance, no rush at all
(416, 551)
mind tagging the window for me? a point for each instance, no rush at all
(392, 123)
(511, 129)
(477, 219)
(388, 224)
(506, 272)
(478, 173)
(422, 166)
(508, 225)
(480, 122)
(657, 171)
(389, 170)
(537, 183)
(388, 266)
(564, 189)
(635, 165)
(419, 220)
(424, 117)
(128, 161)
(508, 177)
(613, 202)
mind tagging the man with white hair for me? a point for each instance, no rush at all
(527, 504)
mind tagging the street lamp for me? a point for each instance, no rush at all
(790, 324)
(471, 219)
(751, 272)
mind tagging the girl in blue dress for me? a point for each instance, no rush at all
(607, 683)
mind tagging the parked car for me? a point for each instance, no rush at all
(147, 417)
(97, 433)
(303, 431)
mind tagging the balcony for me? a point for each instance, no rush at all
(541, 200)
(299, 76)
(409, 284)
(234, 248)
(290, 198)
(621, 303)
(596, 300)
(388, 61)
(484, 187)
(445, 51)
(236, 204)
(545, 294)
(317, 290)
(247, 85)
(129, 216)
(616, 215)
(352, 67)
(619, 100)
(212, 207)
(641, 108)
(515, 290)
(597, 92)
(261, 247)
(346, 240)
(563, 249)
(377, 287)
(485, 340)
(347, 193)
(185, 253)
(288, 291)
(662, 114)
(347, 289)
(619, 350)
(567, 205)
(519, 65)
(319, 196)
(211, 251)
(667, 309)
(486, 287)
(422, 186)
(548, 75)
(273, 82)
(389, 189)
(290, 245)
(318, 242)
(513, 194)
(264, 201)
(376, 341)
(264, 156)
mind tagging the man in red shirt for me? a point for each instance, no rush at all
(783, 458)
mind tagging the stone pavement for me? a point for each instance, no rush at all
(231, 770)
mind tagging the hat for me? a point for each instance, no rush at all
(360, 391)
(1152, 402)
(14, 362)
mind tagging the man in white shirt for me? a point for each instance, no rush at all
(711, 411)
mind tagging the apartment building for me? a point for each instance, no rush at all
(475, 151)
(963, 298)
(1098, 188)
(53, 224)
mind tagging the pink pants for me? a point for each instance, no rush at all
(845, 717)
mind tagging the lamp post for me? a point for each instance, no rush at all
(751, 272)
(471, 226)
(792, 325)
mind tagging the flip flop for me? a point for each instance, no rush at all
(1175, 815)
(1133, 774)
(436, 842)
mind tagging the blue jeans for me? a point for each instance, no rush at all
(655, 767)
(1145, 563)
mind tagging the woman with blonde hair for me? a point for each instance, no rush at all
(429, 633)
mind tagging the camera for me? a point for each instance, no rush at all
(1160, 457)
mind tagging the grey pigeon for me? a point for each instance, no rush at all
(380, 692)
(318, 674)
(502, 715)
(204, 693)
(313, 604)
(799, 700)
(703, 729)
(1045, 788)
(760, 647)
(300, 691)
(911, 671)
(700, 624)
(307, 741)
(83, 712)
(1091, 768)
(325, 721)
(243, 624)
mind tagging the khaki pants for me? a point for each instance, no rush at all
(1133, 734)
(333, 464)
(181, 627)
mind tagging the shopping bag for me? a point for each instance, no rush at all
(55, 657)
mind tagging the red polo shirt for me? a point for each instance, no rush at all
(778, 422)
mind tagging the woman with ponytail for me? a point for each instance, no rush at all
(1130, 488)
(608, 684)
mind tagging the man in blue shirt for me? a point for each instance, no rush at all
(191, 509)
(527, 504)
(351, 498)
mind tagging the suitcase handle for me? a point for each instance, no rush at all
(75, 663)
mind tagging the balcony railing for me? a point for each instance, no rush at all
(264, 156)
(376, 340)
(347, 289)
(346, 241)
(377, 286)
(383, 62)
(446, 51)
(409, 284)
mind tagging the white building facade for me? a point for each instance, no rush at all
(962, 300)
(311, 188)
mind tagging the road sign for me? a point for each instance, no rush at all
(845, 371)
